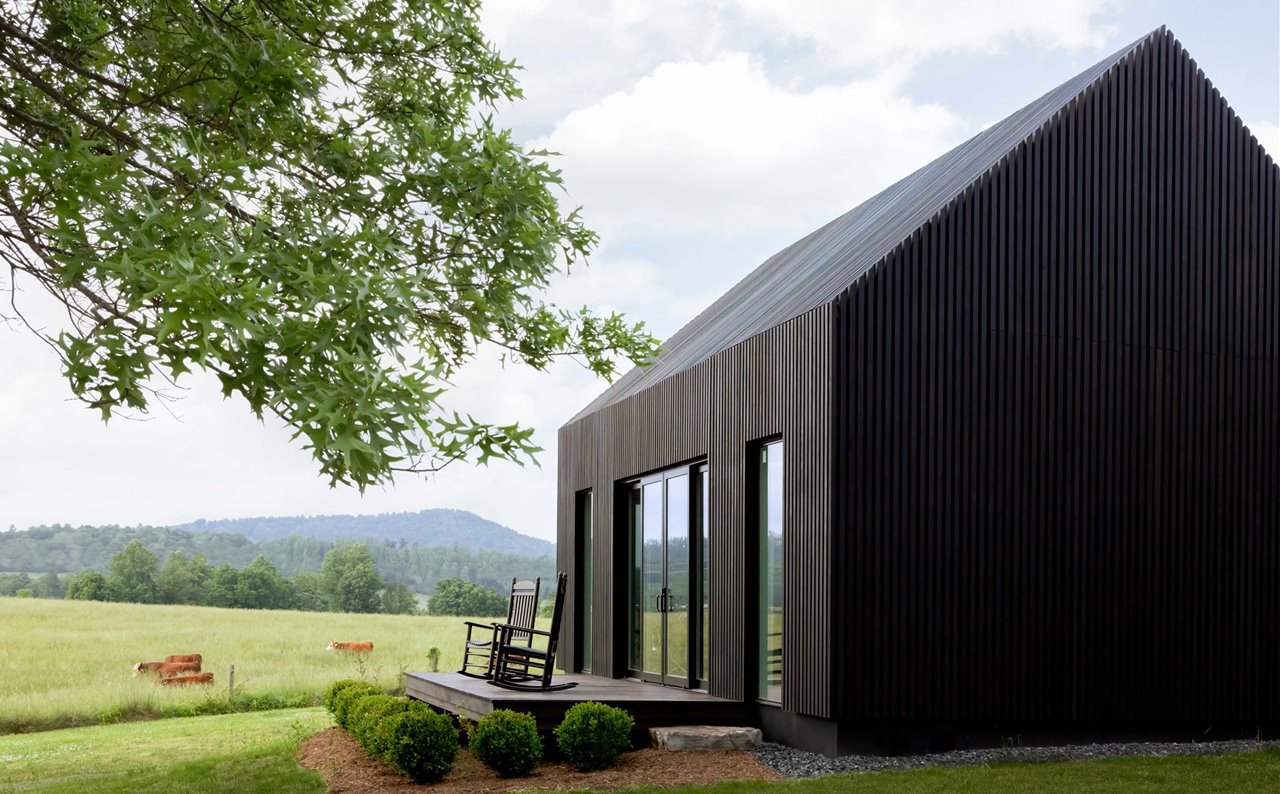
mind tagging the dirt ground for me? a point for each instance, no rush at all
(347, 770)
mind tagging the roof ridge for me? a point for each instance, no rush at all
(849, 246)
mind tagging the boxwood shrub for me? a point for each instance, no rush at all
(368, 714)
(593, 735)
(507, 742)
(421, 743)
(347, 697)
(335, 689)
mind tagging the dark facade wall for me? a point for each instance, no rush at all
(1058, 429)
(775, 384)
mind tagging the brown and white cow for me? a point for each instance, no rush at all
(185, 657)
(166, 668)
(351, 647)
(185, 680)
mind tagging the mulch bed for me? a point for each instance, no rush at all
(346, 768)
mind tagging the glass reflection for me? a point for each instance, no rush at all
(769, 661)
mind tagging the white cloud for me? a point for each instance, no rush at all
(1268, 134)
(575, 51)
(717, 147)
(879, 32)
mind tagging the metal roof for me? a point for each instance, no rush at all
(817, 268)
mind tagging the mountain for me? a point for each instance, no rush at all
(434, 528)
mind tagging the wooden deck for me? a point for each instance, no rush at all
(649, 704)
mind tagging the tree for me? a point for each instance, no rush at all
(260, 586)
(308, 592)
(131, 574)
(459, 597)
(350, 579)
(397, 599)
(49, 586)
(222, 586)
(88, 586)
(184, 580)
(11, 583)
(308, 199)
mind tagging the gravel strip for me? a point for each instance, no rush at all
(793, 763)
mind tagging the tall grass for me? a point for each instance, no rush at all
(68, 663)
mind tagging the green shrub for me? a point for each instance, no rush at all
(380, 737)
(348, 697)
(507, 742)
(364, 715)
(335, 689)
(371, 724)
(421, 743)
(593, 735)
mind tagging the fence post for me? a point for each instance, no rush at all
(231, 682)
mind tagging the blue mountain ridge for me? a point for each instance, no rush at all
(434, 527)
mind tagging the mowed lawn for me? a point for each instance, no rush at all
(232, 752)
(70, 662)
(255, 753)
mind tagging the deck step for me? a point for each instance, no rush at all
(705, 737)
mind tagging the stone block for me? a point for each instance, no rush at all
(705, 737)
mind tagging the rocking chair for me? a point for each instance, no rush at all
(519, 665)
(482, 638)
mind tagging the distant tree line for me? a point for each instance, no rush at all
(347, 582)
(66, 549)
(23, 586)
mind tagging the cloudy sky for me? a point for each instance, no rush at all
(700, 137)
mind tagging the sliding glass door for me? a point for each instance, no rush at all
(668, 585)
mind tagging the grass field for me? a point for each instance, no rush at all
(233, 752)
(69, 662)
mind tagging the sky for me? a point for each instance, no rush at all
(699, 137)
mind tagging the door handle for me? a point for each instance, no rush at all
(660, 600)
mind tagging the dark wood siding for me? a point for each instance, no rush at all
(775, 383)
(1058, 428)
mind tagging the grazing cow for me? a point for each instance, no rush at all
(185, 657)
(351, 647)
(166, 668)
(183, 680)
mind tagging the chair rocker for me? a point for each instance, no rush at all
(522, 666)
(482, 638)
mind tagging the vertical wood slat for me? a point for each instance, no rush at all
(1055, 490)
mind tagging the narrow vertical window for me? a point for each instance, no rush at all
(769, 493)
(702, 511)
(586, 544)
(635, 510)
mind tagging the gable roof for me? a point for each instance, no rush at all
(814, 270)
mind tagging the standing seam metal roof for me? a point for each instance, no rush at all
(814, 270)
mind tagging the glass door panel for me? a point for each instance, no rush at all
(676, 596)
(652, 661)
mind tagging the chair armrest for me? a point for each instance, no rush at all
(479, 625)
(505, 627)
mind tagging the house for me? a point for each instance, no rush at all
(998, 449)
